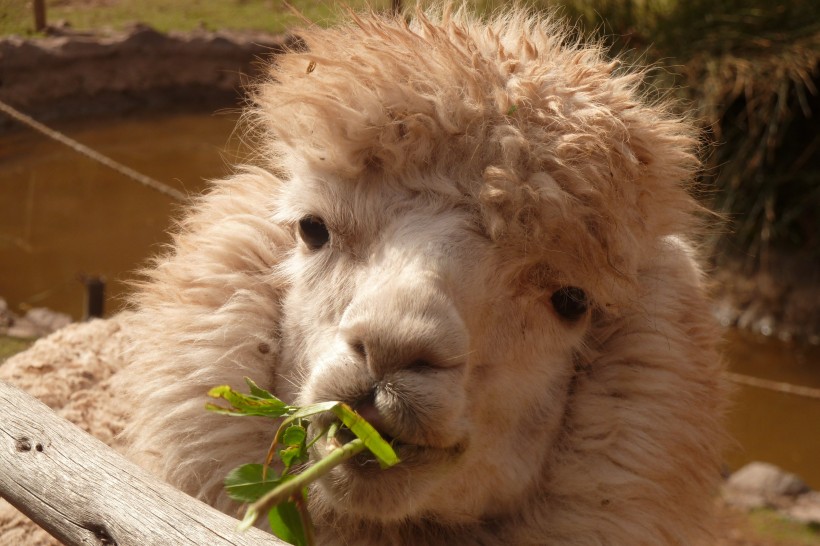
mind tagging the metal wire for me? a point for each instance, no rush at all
(786, 388)
(92, 154)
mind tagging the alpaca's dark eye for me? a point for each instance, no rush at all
(570, 302)
(313, 232)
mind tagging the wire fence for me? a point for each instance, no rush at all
(92, 154)
(777, 386)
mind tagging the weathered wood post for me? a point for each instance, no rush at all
(39, 15)
(83, 492)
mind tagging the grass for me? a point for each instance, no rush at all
(273, 16)
(10, 346)
(767, 524)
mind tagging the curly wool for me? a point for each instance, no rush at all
(552, 141)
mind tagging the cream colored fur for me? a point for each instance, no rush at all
(466, 170)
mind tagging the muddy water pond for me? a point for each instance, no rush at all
(63, 216)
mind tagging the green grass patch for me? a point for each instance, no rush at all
(768, 524)
(16, 17)
(12, 345)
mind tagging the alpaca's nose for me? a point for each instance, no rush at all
(382, 355)
(388, 332)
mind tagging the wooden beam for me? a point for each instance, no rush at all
(83, 492)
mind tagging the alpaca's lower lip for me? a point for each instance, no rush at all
(366, 456)
(410, 456)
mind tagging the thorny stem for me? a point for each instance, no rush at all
(293, 486)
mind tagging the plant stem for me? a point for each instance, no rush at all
(307, 525)
(284, 491)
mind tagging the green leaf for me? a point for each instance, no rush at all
(296, 452)
(224, 411)
(256, 390)
(301, 413)
(313, 409)
(369, 435)
(288, 516)
(294, 435)
(247, 484)
(293, 455)
(286, 523)
(247, 404)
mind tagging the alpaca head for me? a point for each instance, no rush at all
(474, 237)
(463, 200)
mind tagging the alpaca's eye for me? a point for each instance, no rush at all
(569, 302)
(313, 232)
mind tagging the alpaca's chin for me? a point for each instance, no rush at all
(361, 488)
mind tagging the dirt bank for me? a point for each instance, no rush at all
(781, 299)
(82, 75)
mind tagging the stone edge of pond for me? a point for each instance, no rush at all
(22, 330)
(760, 485)
(77, 75)
(781, 300)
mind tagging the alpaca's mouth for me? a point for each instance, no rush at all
(406, 439)
(409, 454)
(345, 435)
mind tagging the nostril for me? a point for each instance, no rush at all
(368, 410)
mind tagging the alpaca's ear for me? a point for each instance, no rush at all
(666, 149)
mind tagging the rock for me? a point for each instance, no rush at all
(47, 320)
(806, 508)
(767, 479)
(23, 329)
(6, 316)
(37, 322)
(762, 484)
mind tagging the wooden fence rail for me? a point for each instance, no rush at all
(83, 492)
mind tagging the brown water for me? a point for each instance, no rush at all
(62, 215)
(780, 428)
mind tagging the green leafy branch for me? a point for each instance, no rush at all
(284, 496)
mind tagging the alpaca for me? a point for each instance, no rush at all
(475, 233)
